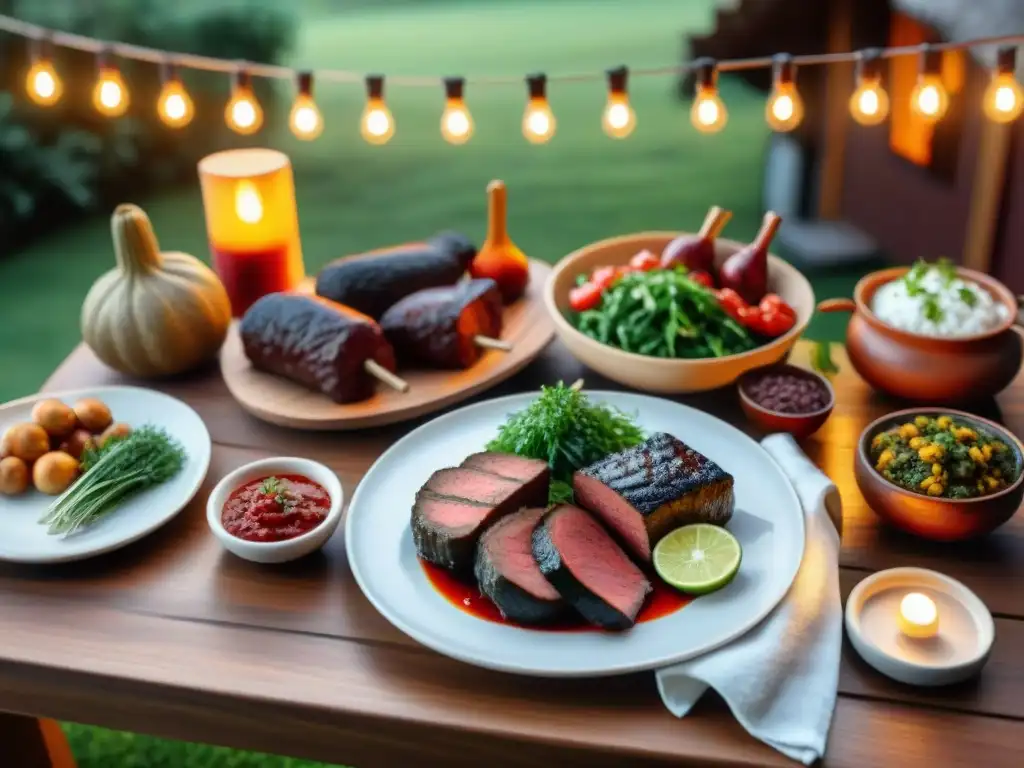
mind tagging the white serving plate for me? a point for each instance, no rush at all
(768, 523)
(24, 540)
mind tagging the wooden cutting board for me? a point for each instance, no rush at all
(527, 326)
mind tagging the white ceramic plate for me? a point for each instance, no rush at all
(24, 540)
(768, 523)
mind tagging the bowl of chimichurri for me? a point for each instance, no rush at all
(942, 475)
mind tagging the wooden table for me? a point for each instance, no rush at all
(174, 637)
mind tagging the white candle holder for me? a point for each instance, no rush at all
(905, 639)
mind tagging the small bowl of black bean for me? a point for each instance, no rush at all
(786, 398)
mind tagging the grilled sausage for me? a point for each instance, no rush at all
(372, 282)
(437, 326)
(317, 343)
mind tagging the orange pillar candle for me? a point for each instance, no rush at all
(252, 223)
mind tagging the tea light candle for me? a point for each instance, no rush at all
(919, 616)
(892, 620)
(252, 223)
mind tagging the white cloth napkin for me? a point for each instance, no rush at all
(780, 679)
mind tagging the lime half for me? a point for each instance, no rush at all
(698, 559)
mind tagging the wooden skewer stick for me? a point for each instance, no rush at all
(577, 385)
(488, 343)
(381, 373)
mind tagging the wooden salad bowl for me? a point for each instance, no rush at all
(931, 517)
(657, 374)
(926, 369)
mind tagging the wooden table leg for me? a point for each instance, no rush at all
(26, 742)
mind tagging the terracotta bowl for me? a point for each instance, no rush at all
(662, 375)
(923, 368)
(930, 517)
(797, 424)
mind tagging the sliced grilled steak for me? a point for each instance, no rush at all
(507, 465)
(456, 505)
(647, 491)
(589, 570)
(508, 574)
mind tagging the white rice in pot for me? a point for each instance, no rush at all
(935, 305)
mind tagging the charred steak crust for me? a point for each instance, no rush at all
(664, 481)
(567, 577)
(455, 494)
(509, 576)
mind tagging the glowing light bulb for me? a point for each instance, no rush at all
(538, 119)
(456, 122)
(1003, 101)
(708, 113)
(869, 103)
(305, 119)
(109, 95)
(929, 98)
(42, 83)
(377, 123)
(243, 112)
(174, 105)
(619, 119)
(248, 203)
(785, 108)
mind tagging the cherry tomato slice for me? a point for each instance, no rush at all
(645, 261)
(603, 277)
(701, 277)
(584, 297)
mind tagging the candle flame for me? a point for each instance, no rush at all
(248, 204)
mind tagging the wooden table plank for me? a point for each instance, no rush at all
(986, 566)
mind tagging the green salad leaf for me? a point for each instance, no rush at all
(568, 431)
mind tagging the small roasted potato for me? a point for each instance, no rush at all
(93, 414)
(14, 476)
(54, 472)
(77, 443)
(57, 418)
(27, 441)
(120, 429)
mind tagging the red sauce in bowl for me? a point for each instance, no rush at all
(275, 508)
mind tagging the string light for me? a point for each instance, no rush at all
(929, 98)
(708, 113)
(174, 105)
(869, 103)
(538, 119)
(619, 118)
(109, 95)
(243, 114)
(377, 124)
(456, 122)
(1003, 101)
(305, 119)
(785, 108)
(42, 83)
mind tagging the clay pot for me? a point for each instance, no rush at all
(926, 369)
(799, 425)
(931, 517)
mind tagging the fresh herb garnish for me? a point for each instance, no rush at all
(932, 311)
(968, 297)
(947, 270)
(663, 313)
(565, 429)
(276, 487)
(914, 277)
(115, 472)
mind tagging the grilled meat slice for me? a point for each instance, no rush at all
(644, 492)
(457, 505)
(589, 570)
(438, 326)
(508, 574)
(507, 465)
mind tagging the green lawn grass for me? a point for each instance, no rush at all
(581, 187)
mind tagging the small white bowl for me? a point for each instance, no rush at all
(276, 551)
(959, 651)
